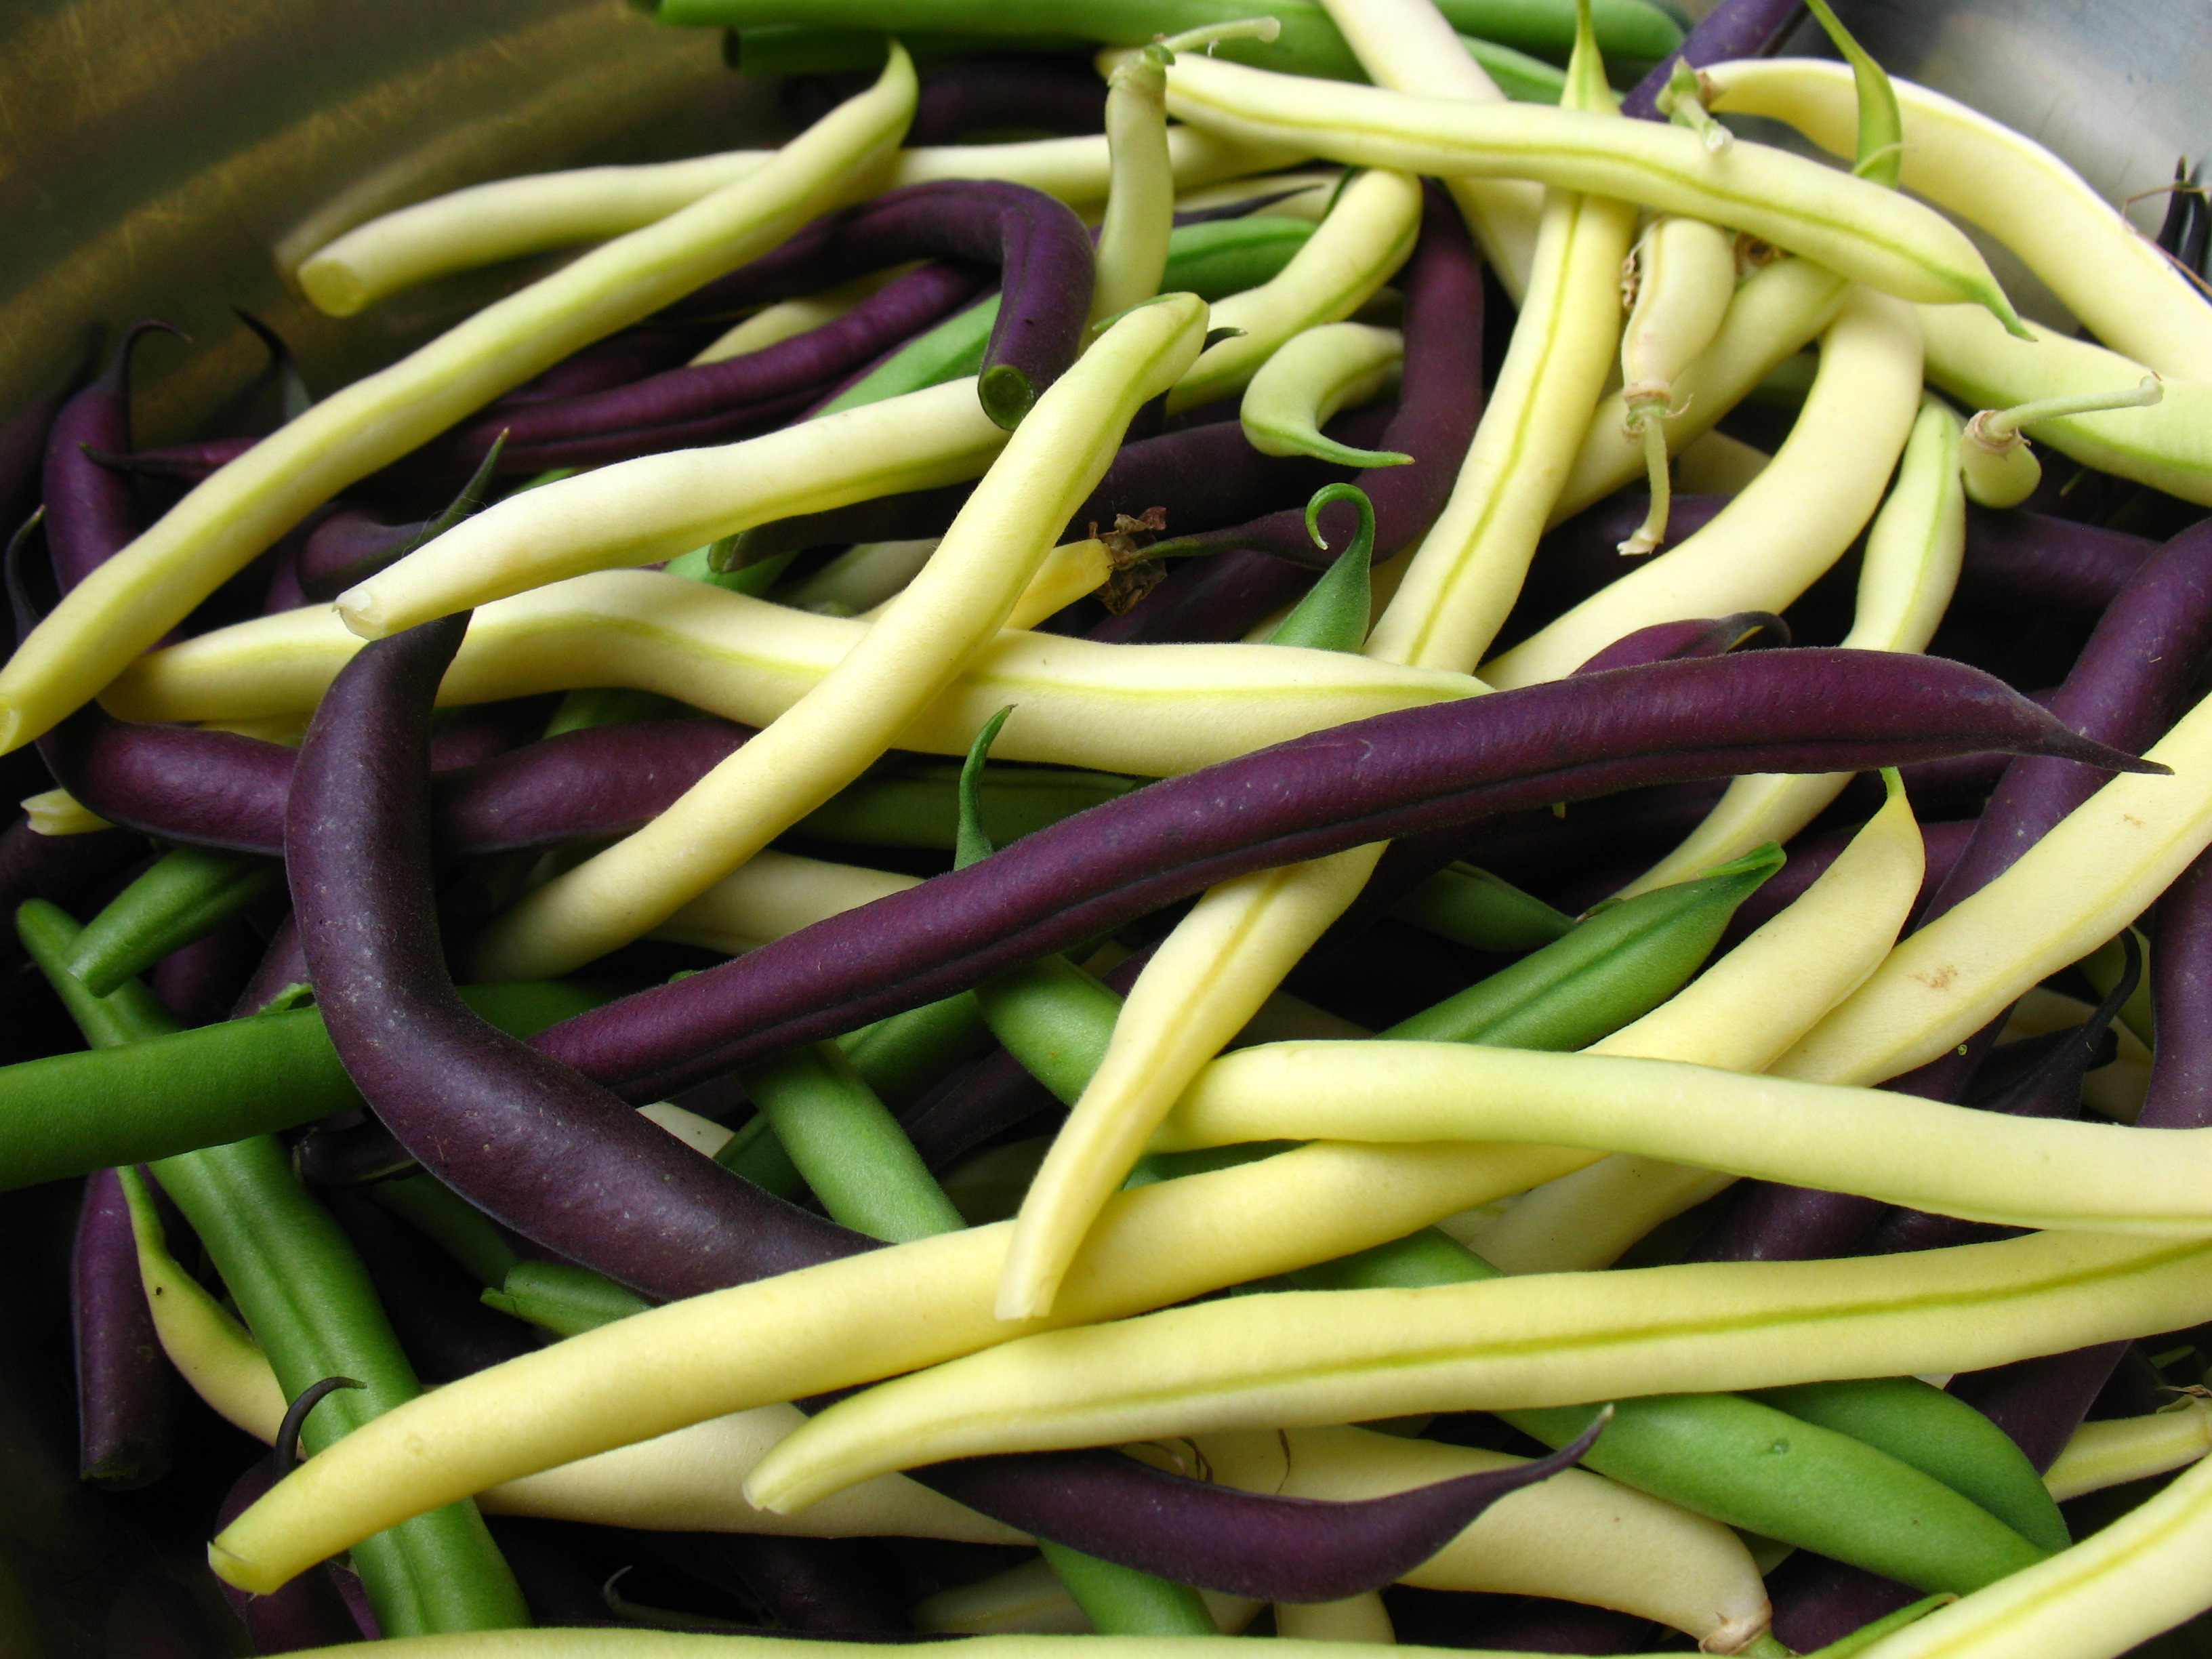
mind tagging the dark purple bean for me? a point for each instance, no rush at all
(484, 732)
(1439, 400)
(91, 512)
(2017, 560)
(616, 361)
(1374, 779)
(1196, 1533)
(1710, 636)
(1038, 242)
(349, 1150)
(220, 789)
(125, 1397)
(2040, 1401)
(185, 463)
(1009, 94)
(558, 1159)
(1536, 1625)
(201, 982)
(2140, 662)
(2180, 1094)
(348, 546)
(310, 1611)
(1210, 600)
(518, 1133)
(1817, 1600)
(703, 403)
(1733, 29)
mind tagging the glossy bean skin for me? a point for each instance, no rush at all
(1370, 781)
(91, 512)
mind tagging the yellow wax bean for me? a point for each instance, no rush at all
(507, 218)
(1151, 709)
(773, 894)
(1741, 1014)
(1911, 568)
(2096, 871)
(1313, 375)
(204, 1340)
(1132, 239)
(1237, 943)
(1355, 1619)
(949, 613)
(1365, 238)
(2120, 1450)
(1408, 45)
(131, 601)
(848, 1322)
(1791, 522)
(1776, 311)
(2107, 274)
(1858, 228)
(860, 578)
(655, 506)
(1922, 1154)
(1684, 276)
(57, 812)
(1576, 1537)
(2167, 445)
(631, 1643)
(2140, 1575)
(1320, 1357)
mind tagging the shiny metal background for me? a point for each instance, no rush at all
(172, 159)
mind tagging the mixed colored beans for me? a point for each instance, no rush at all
(1299, 820)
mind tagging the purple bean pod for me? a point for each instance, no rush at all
(1580, 555)
(830, 1587)
(2016, 560)
(1536, 1625)
(616, 361)
(2040, 1401)
(1010, 92)
(220, 789)
(555, 1157)
(1707, 636)
(1374, 780)
(1277, 1549)
(1439, 401)
(1038, 243)
(284, 965)
(125, 1397)
(706, 403)
(1733, 29)
(91, 513)
(23, 452)
(2141, 660)
(201, 982)
(2180, 1094)
(1818, 1601)
(449, 1085)
(185, 463)
(1210, 600)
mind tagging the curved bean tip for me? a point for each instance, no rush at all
(285, 1451)
(1006, 394)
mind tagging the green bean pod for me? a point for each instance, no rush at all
(1939, 1435)
(309, 1302)
(1614, 967)
(187, 894)
(1471, 907)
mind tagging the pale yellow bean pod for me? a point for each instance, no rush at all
(1319, 1357)
(1152, 709)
